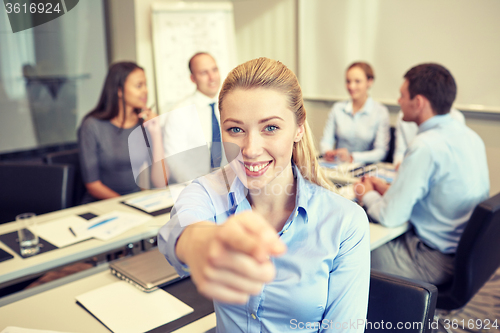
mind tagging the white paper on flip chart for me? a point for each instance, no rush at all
(124, 308)
(57, 231)
(109, 225)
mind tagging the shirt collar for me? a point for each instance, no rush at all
(367, 107)
(204, 99)
(434, 121)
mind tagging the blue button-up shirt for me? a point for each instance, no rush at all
(442, 178)
(321, 282)
(365, 134)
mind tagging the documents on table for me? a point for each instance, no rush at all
(152, 202)
(109, 225)
(58, 233)
(158, 200)
(123, 308)
(329, 165)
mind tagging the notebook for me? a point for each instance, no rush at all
(125, 309)
(146, 271)
(4, 255)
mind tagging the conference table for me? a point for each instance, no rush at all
(52, 306)
(19, 269)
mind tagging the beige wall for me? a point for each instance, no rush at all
(266, 28)
(486, 125)
(122, 26)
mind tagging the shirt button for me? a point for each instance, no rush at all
(253, 316)
(296, 213)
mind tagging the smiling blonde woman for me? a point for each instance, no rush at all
(293, 254)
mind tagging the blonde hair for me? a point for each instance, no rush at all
(272, 74)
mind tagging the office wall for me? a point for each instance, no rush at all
(72, 47)
(394, 35)
(122, 44)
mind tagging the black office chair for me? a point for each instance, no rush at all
(392, 146)
(36, 188)
(477, 256)
(404, 305)
(70, 157)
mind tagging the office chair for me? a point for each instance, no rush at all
(34, 188)
(392, 145)
(70, 157)
(477, 256)
(402, 304)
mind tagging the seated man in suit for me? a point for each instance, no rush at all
(443, 176)
(187, 130)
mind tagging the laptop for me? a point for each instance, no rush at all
(146, 271)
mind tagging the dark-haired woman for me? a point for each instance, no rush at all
(357, 130)
(104, 132)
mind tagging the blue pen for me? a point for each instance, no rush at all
(102, 222)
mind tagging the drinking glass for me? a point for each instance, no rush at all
(27, 234)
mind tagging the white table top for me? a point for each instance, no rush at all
(19, 267)
(56, 309)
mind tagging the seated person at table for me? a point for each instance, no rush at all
(442, 178)
(288, 237)
(357, 128)
(406, 132)
(192, 163)
(104, 132)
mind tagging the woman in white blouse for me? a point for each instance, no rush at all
(357, 130)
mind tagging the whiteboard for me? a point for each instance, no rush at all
(180, 30)
(395, 35)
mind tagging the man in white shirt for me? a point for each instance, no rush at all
(442, 178)
(187, 132)
(406, 132)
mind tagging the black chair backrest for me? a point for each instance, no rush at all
(398, 304)
(477, 256)
(392, 146)
(36, 188)
(70, 157)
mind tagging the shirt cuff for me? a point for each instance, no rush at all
(167, 240)
(370, 198)
(355, 157)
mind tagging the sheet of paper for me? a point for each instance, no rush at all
(152, 202)
(57, 231)
(14, 329)
(329, 165)
(109, 225)
(124, 308)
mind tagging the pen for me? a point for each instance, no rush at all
(95, 225)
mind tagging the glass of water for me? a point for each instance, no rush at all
(27, 235)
